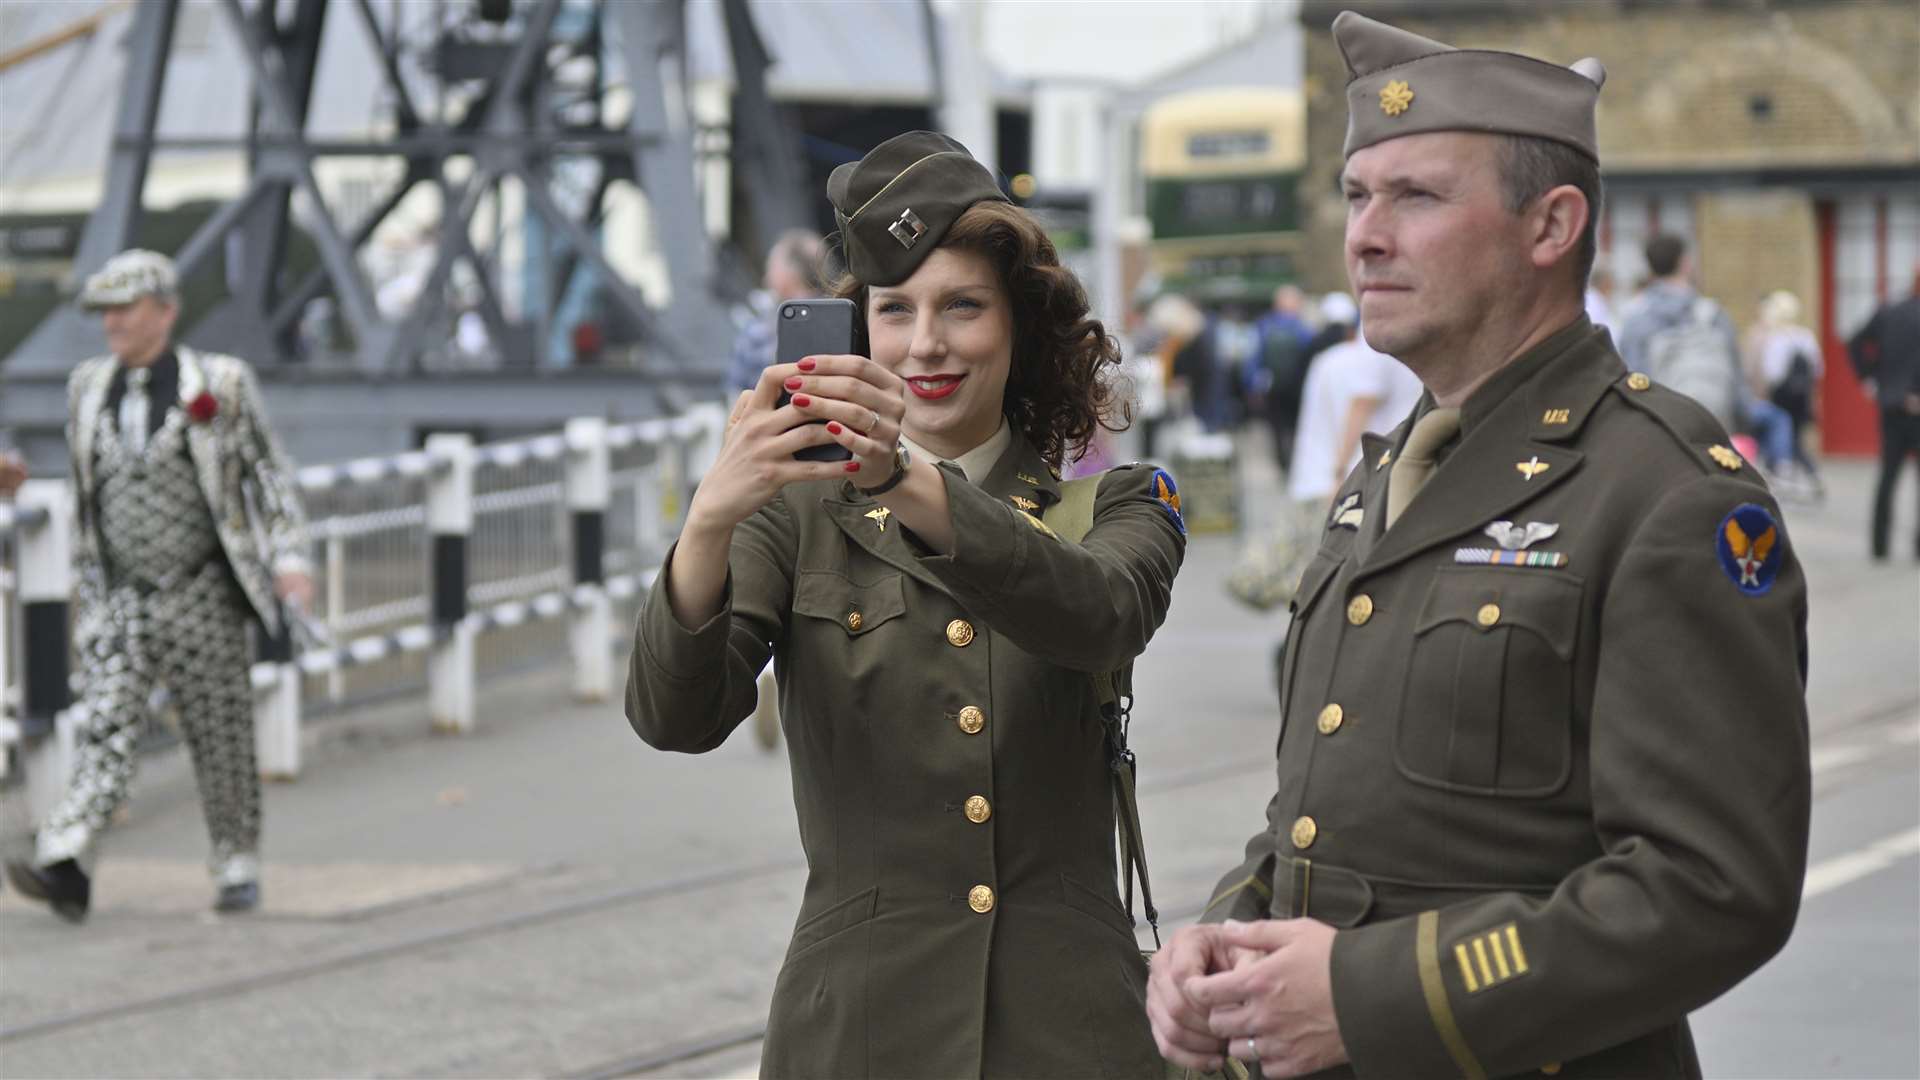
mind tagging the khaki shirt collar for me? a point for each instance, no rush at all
(976, 463)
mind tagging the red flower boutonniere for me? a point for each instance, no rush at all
(203, 408)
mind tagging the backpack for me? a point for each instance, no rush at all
(1694, 357)
(1071, 519)
(1794, 392)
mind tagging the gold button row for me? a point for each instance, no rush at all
(959, 633)
(1360, 610)
(971, 719)
(1489, 614)
(1331, 718)
(978, 809)
(980, 899)
(1304, 832)
(854, 621)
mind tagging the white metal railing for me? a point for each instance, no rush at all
(422, 555)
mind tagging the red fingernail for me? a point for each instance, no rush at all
(806, 365)
(794, 384)
(833, 427)
(853, 466)
(802, 400)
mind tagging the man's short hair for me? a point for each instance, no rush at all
(1531, 166)
(1664, 251)
(802, 252)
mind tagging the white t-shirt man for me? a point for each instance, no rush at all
(1350, 388)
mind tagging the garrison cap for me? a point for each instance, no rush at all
(895, 204)
(128, 276)
(1403, 84)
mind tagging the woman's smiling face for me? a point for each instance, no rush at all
(948, 331)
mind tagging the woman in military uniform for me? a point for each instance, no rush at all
(936, 642)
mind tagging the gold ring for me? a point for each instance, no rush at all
(875, 422)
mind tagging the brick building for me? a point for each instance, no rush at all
(1782, 137)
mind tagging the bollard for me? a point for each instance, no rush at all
(450, 665)
(48, 721)
(589, 484)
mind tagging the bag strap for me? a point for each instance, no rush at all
(1071, 519)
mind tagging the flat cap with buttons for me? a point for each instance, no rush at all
(895, 204)
(128, 276)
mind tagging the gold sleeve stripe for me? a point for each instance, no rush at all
(1499, 956)
(1519, 957)
(1251, 881)
(1466, 968)
(1426, 948)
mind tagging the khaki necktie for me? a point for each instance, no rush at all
(1415, 465)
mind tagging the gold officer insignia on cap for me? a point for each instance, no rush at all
(1725, 458)
(908, 228)
(1395, 97)
(880, 517)
(1024, 503)
(1490, 959)
(1533, 468)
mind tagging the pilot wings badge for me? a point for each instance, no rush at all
(1513, 537)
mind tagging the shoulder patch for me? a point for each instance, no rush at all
(1169, 496)
(1750, 549)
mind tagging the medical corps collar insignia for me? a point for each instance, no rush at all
(1169, 496)
(1750, 549)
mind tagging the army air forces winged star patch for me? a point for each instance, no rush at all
(1169, 496)
(1750, 548)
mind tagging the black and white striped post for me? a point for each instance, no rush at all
(589, 489)
(49, 724)
(450, 666)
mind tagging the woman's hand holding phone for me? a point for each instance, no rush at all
(863, 404)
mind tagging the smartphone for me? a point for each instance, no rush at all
(817, 327)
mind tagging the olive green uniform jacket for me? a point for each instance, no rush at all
(1552, 809)
(961, 916)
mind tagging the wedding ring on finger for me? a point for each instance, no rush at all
(873, 419)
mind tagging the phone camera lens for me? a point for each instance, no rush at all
(786, 313)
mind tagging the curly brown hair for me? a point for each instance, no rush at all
(1061, 387)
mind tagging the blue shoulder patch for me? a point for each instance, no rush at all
(1750, 548)
(1169, 496)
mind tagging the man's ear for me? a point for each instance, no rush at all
(1557, 220)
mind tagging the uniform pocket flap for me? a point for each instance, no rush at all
(845, 915)
(826, 594)
(1544, 603)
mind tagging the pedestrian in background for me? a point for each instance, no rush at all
(1783, 368)
(1283, 335)
(936, 639)
(793, 271)
(1543, 785)
(190, 529)
(1351, 389)
(1886, 356)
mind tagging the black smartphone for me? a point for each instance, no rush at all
(817, 327)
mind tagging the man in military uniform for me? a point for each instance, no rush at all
(1543, 780)
(190, 528)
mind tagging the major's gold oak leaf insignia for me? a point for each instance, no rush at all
(1725, 457)
(1395, 97)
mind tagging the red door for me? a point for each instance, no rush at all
(1849, 422)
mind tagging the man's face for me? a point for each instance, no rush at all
(138, 332)
(1432, 252)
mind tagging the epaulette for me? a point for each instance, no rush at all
(1701, 438)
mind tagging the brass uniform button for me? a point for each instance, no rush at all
(980, 899)
(854, 622)
(959, 633)
(1304, 830)
(1551, 1069)
(978, 809)
(1360, 610)
(971, 720)
(1489, 614)
(1638, 381)
(1331, 718)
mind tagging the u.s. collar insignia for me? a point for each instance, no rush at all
(1396, 97)
(1169, 496)
(1031, 481)
(1749, 547)
(1024, 503)
(1513, 537)
(1531, 469)
(1349, 513)
(908, 228)
(880, 517)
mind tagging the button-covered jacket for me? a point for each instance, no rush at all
(1544, 741)
(961, 916)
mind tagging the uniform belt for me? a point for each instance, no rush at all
(1345, 898)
